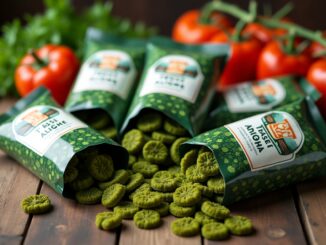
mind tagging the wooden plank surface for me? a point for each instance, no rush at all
(312, 203)
(15, 184)
(274, 217)
(68, 223)
(131, 235)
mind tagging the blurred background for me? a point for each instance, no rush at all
(162, 14)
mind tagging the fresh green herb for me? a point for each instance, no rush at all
(60, 24)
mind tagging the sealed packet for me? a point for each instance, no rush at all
(107, 79)
(267, 151)
(250, 98)
(178, 82)
(45, 139)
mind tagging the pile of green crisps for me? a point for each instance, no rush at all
(158, 182)
(99, 120)
(162, 183)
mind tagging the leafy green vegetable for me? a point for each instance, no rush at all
(60, 24)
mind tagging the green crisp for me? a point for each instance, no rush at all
(144, 187)
(206, 191)
(207, 164)
(110, 132)
(92, 195)
(70, 174)
(217, 185)
(155, 152)
(145, 168)
(167, 197)
(113, 195)
(120, 176)
(163, 137)
(164, 181)
(147, 219)
(162, 209)
(186, 195)
(203, 219)
(185, 227)
(133, 141)
(132, 160)
(179, 211)
(174, 128)
(127, 210)
(239, 225)
(82, 182)
(188, 159)
(101, 167)
(175, 170)
(193, 174)
(174, 150)
(108, 220)
(135, 181)
(149, 122)
(215, 231)
(36, 204)
(215, 210)
(147, 199)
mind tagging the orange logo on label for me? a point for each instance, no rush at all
(177, 67)
(262, 90)
(281, 130)
(35, 117)
(110, 62)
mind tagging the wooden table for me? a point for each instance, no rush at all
(294, 215)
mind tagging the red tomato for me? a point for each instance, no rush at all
(52, 66)
(316, 47)
(187, 28)
(263, 33)
(317, 77)
(273, 61)
(242, 63)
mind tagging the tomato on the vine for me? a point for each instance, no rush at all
(275, 61)
(317, 76)
(52, 66)
(242, 63)
(316, 48)
(188, 29)
(263, 33)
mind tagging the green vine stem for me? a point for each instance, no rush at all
(284, 11)
(300, 31)
(38, 60)
(289, 47)
(238, 29)
(253, 10)
(320, 54)
(270, 23)
(209, 8)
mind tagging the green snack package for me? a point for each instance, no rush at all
(45, 139)
(267, 151)
(251, 98)
(107, 78)
(178, 81)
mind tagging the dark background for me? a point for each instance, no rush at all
(309, 13)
